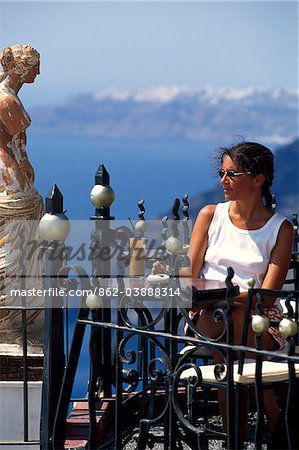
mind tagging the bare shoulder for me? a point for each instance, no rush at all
(286, 230)
(207, 212)
(280, 257)
(205, 216)
(283, 247)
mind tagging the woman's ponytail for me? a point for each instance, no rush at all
(267, 196)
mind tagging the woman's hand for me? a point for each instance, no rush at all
(160, 267)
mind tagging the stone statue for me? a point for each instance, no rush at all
(21, 206)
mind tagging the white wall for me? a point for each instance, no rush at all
(11, 413)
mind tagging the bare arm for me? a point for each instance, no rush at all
(280, 258)
(199, 239)
(279, 262)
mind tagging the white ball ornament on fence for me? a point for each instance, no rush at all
(54, 227)
(158, 278)
(140, 226)
(174, 245)
(94, 301)
(102, 196)
(288, 327)
(260, 324)
(251, 283)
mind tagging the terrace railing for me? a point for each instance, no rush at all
(137, 346)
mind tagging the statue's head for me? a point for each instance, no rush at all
(19, 59)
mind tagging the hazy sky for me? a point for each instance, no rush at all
(90, 46)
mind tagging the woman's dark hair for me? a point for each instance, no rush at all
(254, 158)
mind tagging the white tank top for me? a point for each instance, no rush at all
(246, 251)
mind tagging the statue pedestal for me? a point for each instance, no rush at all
(11, 364)
(12, 397)
(11, 413)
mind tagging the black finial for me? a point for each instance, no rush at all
(228, 280)
(186, 219)
(186, 207)
(102, 176)
(54, 201)
(176, 217)
(175, 209)
(141, 210)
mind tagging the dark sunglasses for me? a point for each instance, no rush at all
(231, 173)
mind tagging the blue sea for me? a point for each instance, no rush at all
(156, 171)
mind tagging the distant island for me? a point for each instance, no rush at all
(208, 114)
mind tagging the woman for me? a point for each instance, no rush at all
(19, 200)
(243, 233)
(247, 235)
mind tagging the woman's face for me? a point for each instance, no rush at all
(237, 187)
(32, 73)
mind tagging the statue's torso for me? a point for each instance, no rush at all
(16, 172)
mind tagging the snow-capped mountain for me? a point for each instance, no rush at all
(176, 112)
